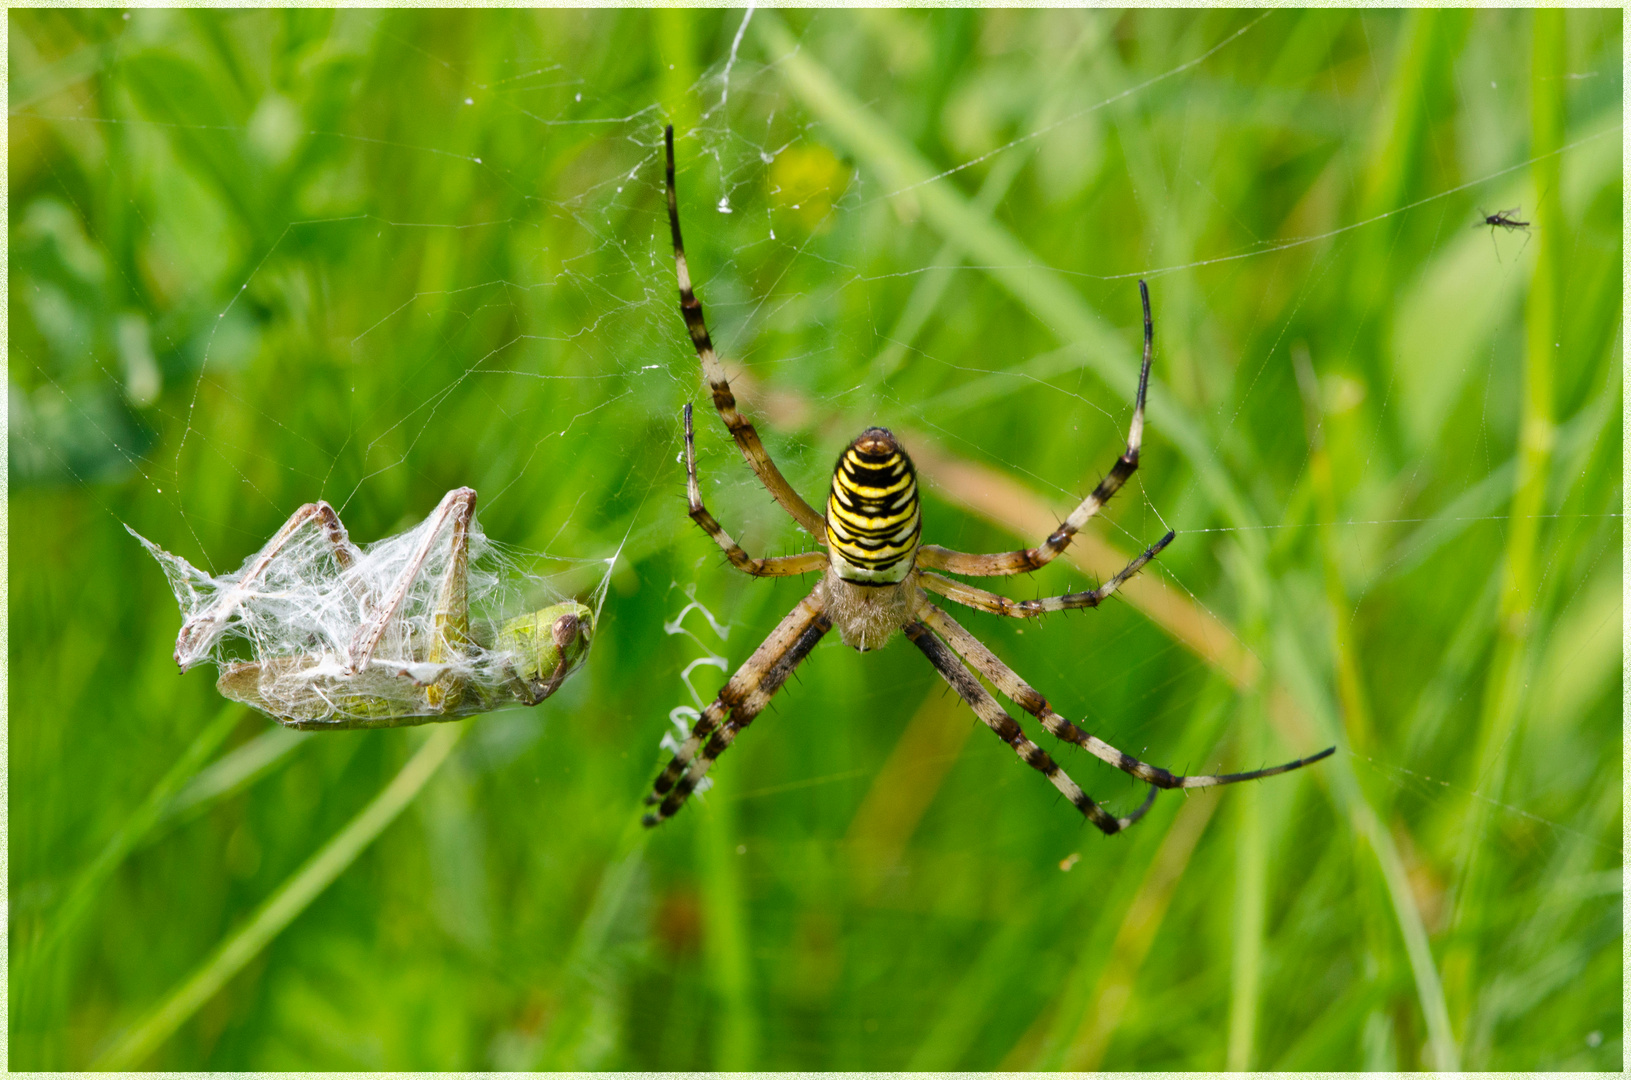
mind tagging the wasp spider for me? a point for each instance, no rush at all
(874, 574)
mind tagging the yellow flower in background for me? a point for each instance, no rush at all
(806, 181)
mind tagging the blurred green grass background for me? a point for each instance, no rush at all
(258, 258)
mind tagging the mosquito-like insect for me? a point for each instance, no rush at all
(343, 637)
(1508, 220)
(1505, 219)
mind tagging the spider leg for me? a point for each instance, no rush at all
(746, 693)
(772, 567)
(997, 719)
(747, 437)
(935, 557)
(969, 596)
(1017, 690)
(199, 632)
(452, 617)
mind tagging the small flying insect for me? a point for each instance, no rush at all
(344, 637)
(1508, 220)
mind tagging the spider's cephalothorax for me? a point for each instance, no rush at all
(877, 581)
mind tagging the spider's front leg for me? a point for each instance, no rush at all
(745, 695)
(958, 676)
(935, 557)
(782, 566)
(746, 436)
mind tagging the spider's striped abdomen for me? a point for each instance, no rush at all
(873, 519)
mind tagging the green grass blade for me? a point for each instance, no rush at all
(1504, 689)
(1506, 684)
(236, 770)
(266, 257)
(1251, 887)
(126, 839)
(959, 1013)
(588, 966)
(726, 946)
(1363, 819)
(1002, 256)
(1485, 498)
(132, 1049)
(1135, 936)
(1071, 1034)
(931, 287)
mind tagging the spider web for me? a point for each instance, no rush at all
(777, 208)
(774, 209)
(535, 350)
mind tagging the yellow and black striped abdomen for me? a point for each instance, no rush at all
(873, 518)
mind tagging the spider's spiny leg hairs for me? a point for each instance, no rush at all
(747, 437)
(780, 566)
(969, 596)
(200, 632)
(935, 557)
(1017, 690)
(997, 719)
(458, 505)
(746, 693)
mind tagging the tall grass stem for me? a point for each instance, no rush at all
(293, 897)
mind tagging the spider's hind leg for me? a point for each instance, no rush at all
(1010, 685)
(962, 680)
